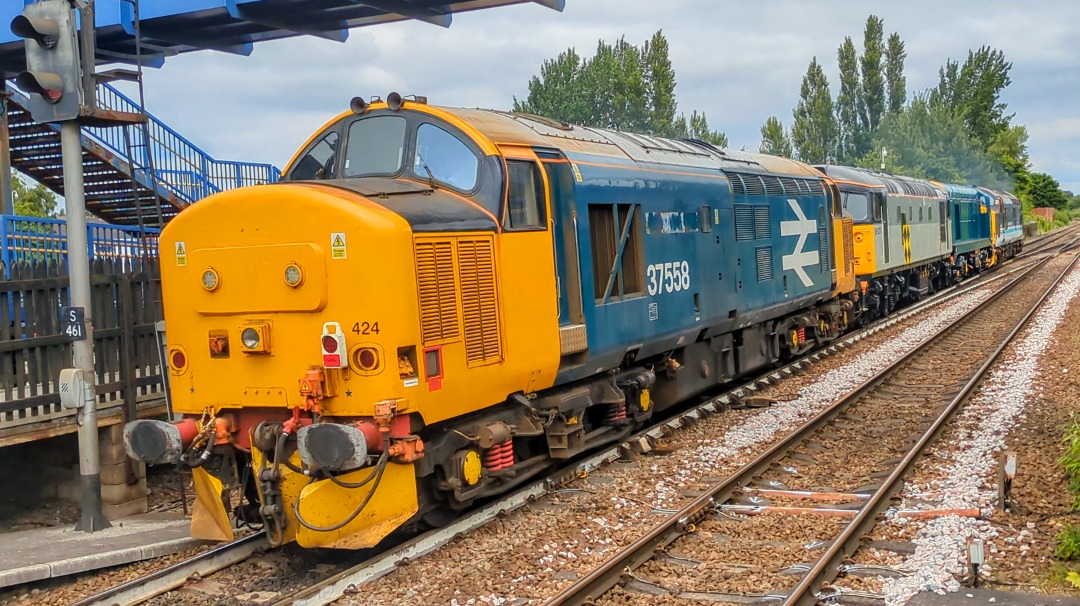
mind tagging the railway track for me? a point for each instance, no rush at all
(347, 580)
(823, 487)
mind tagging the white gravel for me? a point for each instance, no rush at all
(710, 454)
(968, 479)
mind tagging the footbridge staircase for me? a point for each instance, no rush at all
(121, 187)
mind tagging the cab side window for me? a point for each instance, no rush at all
(525, 204)
(442, 157)
(319, 163)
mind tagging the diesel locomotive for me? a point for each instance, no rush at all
(437, 304)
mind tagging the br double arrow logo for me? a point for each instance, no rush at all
(799, 258)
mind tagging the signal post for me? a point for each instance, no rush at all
(61, 82)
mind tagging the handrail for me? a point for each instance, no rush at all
(176, 156)
(28, 239)
(182, 168)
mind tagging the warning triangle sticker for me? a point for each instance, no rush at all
(180, 248)
(339, 241)
(305, 386)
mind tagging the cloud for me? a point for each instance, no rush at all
(739, 62)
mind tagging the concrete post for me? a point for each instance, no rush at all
(79, 272)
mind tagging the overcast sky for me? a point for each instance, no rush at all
(740, 62)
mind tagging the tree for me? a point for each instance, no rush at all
(621, 87)
(1042, 190)
(32, 200)
(659, 82)
(813, 132)
(847, 104)
(973, 92)
(873, 82)
(774, 139)
(1009, 147)
(895, 82)
(928, 141)
(699, 129)
(557, 87)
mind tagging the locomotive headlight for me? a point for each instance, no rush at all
(294, 276)
(250, 338)
(211, 280)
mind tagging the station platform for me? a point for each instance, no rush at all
(42, 553)
(982, 597)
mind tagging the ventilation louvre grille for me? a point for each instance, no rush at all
(744, 222)
(479, 303)
(823, 247)
(438, 291)
(761, 223)
(849, 247)
(772, 186)
(764, 263)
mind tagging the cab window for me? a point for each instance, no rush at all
(319, 163)
(858, 206)
(376, 146)
(445, 159)
(525, 203)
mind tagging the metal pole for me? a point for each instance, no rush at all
(7, 204)
(79, 272)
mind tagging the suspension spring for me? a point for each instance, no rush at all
(615, 413)
(500, 456)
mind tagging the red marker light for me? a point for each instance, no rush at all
(179, 360)
(52, 95)
(329, 344)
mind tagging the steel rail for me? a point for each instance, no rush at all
(827, 567)
(158, 582)
(338, 585)
(348, 581)
(608, 574)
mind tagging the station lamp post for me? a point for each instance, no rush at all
(54, 81)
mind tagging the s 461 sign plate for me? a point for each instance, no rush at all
(73, 323)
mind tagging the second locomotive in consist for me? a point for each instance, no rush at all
(438, 304)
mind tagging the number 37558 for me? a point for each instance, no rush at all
(672, 276)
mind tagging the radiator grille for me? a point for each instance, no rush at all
(479, 304)
(849, 247)
(437, 290)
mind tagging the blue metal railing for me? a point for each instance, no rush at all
(181, 167)
(28, 239)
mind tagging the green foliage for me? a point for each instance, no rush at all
(929, 142)
(895, 82)
(1067, 544)
(873, 80)
(32, 200)
(621, 87)
(1040, 189)
(774, 139)
(847, 104)
(814, 129)
(973, 92)
(1070, 459)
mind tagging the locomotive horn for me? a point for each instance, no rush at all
(394, 100)
(358, 105)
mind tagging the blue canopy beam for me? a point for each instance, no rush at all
(333, 31)
(441, 16)
(556, 5)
